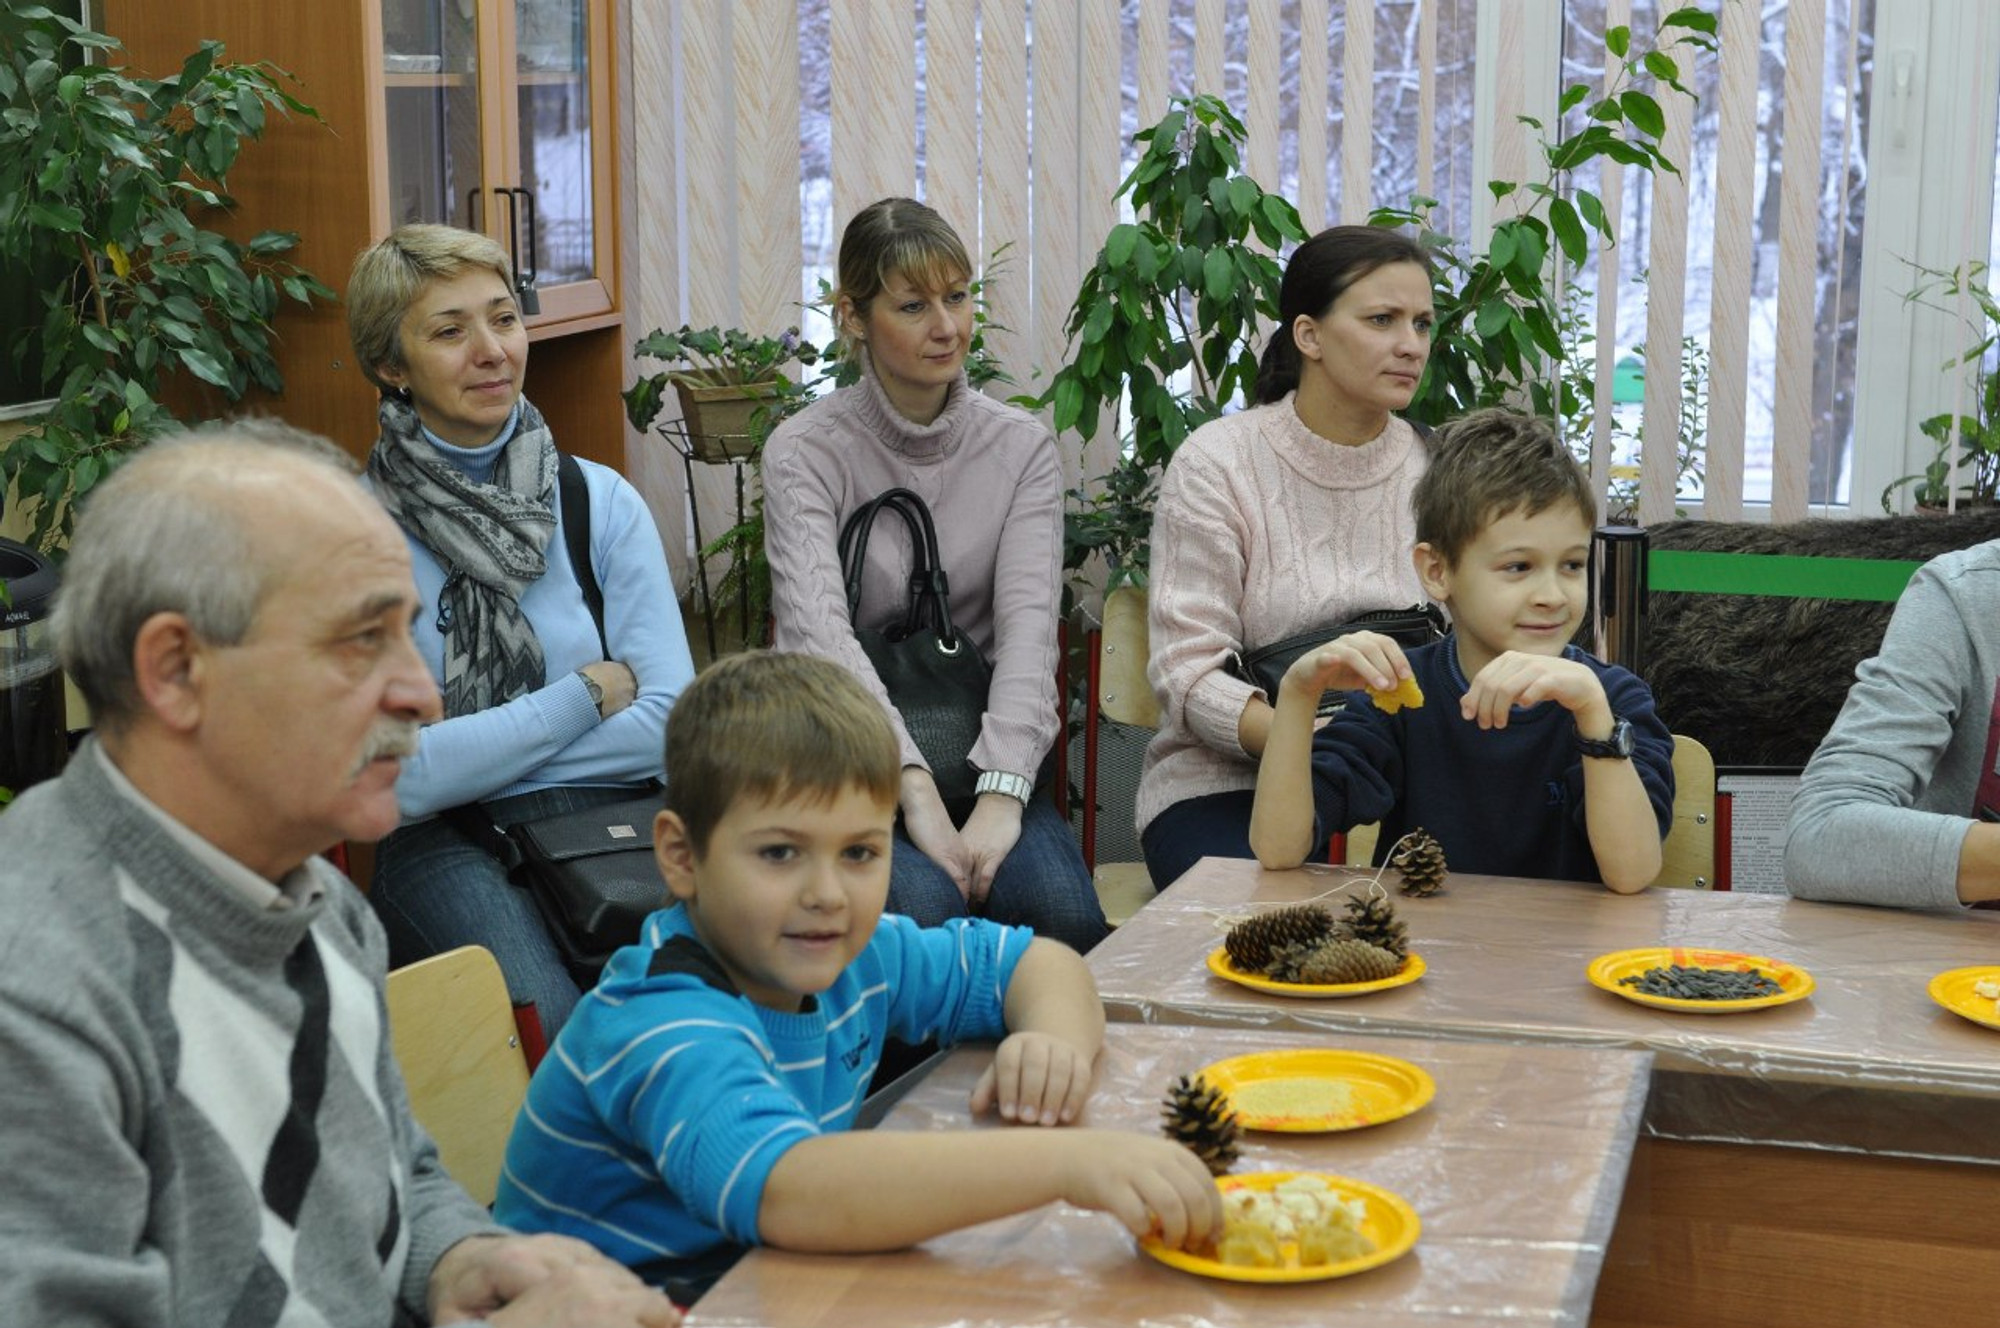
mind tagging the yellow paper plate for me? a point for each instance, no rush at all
(1390, 1222)
(1953, 990)
(1361, 1089)
(1218, 964)
(1605, 970)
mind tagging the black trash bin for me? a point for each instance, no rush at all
(34, 730)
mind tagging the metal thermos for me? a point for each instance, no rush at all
(1618, 593)
(34, 732)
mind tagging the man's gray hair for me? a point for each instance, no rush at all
(165, 534)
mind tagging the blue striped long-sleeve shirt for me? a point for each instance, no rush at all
(654, 1121)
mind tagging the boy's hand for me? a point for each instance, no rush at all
(1148, 1183)
(1346, 663)
(1036, 1079)
(1519, 679)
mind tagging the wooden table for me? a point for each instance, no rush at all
(1815, 1163)
(1515, 1170)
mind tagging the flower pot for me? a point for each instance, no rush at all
(725, 422)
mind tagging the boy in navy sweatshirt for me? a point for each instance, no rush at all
(1526, 756)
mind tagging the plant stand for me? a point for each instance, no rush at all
(685, 443)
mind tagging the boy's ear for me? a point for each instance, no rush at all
(1433, 571)
(673, 850)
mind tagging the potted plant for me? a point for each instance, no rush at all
(1177, 289)
(105, 178)
(1498, 338)
(1978, 434)
(1182, 289)
(730, 383)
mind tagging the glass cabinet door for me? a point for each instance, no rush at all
(430, 58)
(560, 158)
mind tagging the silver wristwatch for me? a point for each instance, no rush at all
(596, 691)
(1018, 787)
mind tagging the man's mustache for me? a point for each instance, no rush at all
(389, 737)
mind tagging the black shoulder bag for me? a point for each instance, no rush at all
(934, 674)
(1265, 667)
(591, 872)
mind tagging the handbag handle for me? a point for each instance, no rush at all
(930, 602)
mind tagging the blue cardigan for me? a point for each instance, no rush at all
(1501, 802)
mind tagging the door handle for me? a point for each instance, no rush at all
(524, 278)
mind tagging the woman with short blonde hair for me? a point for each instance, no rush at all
(547, 710)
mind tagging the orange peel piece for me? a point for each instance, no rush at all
(1391, 700)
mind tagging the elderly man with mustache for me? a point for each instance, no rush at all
(204, 1119)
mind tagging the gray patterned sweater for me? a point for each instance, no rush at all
(203, 1120)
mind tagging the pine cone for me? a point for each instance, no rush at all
(1198, 1115)
(1252, 943)
(1334, 962)
(1420, 859)
(1374, 920)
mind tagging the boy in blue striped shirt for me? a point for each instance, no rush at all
(700, 1100)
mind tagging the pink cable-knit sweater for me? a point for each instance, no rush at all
(989, 474)
(1263, 530)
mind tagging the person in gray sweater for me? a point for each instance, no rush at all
(204, 1119)
(1899, 804)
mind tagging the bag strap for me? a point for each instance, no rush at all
(930, 588)
(575, 496)
(573, 492)
(470, 819)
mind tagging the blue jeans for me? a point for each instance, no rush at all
(1215, 825)
(436, 890)
(1042, 883)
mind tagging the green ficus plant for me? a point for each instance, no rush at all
(1978, 433)
(1497, 333)
(104, 177)
(1180, 288)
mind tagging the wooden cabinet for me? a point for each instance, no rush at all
(492, 114)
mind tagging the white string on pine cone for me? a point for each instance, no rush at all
(1224, 919)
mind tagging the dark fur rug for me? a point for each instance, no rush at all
(1759, 680)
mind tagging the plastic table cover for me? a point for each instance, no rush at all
(1515, 1170)
(1867, 1061)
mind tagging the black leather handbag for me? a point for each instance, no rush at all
(1265, 667)
(934, 674)
(593, 876)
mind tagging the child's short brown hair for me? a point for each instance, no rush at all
(775, 726)
(1487, 464)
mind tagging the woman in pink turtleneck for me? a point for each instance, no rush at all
(990, 476)
(1290, 516)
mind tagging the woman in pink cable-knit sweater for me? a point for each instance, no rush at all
(1289, 516)
(990, 477)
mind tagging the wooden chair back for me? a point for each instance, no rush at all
(1123, 694)
(1687, 857)
(453, 1028)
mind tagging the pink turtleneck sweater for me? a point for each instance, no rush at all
(1263, 530)
(989, 474)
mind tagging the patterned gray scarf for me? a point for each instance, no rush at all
(491, 540)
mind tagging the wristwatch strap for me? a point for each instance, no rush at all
(1018, 787)
(1617, 747)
